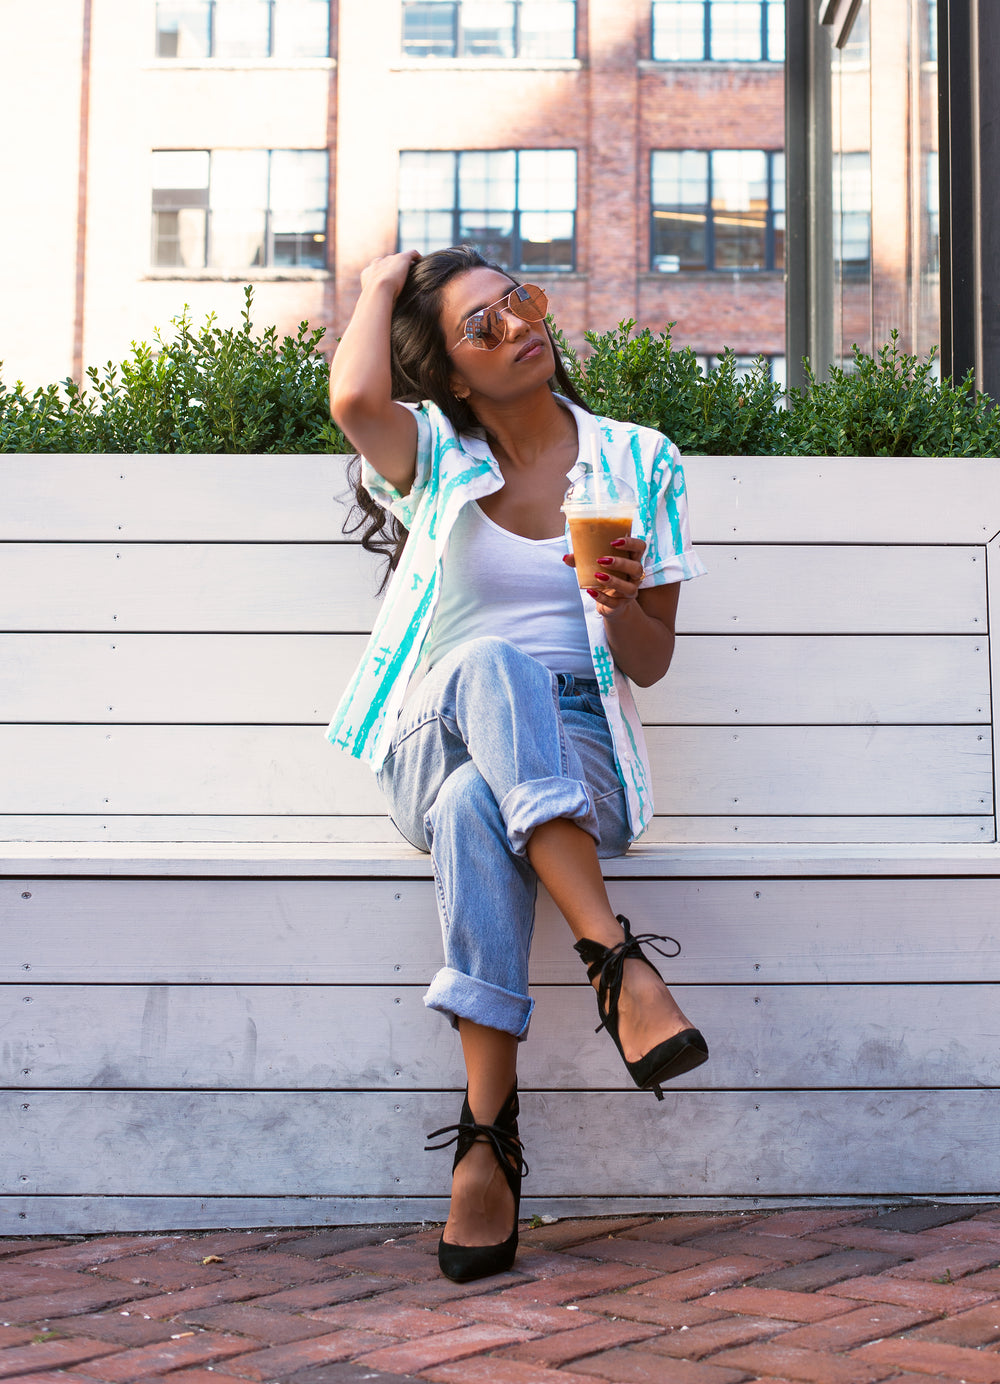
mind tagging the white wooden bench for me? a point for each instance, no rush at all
(215, 945)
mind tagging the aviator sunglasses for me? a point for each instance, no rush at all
(486, 329)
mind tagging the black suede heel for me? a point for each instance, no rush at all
(677, 1055)
(462, 1263)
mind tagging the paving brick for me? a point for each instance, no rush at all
(929, 1357)
(566, 1234)
(492, 1370)
(633, 1365)
(81, 1254)
(160, 1305)
(920, 1217)
(706, 1278)
(195, 1248)
(817, 1273)
(196, 1348)
(776, 1358)
(8, 1248)
(897, 1242)
(868, 1323)
(275, 1327)
(161, 1271)
(965, 1232)
(563, 1349)
(811, 1222)
(599, 1278)
(755, 1240)
(65, 1377)
(343, 1372)
(320, 1244)
(332, 1290)
(954, 1261)
(16, 1335)
(18, 1361)
(658, 1312)
(665, 1258)
(389, 1318)
(676, 1228)
(696, 1342)
(122, 1330)
(780, 1304)
(979, 1327)
(287, 1269)
(396, 1260)
(987, 1281)
(416, 1356)
(546, 1263)
(89, 1297)
(444, 1292)
(19, 1279)
(281, 1361)
(488, 1308)
(197, 1375)
(932, 1297)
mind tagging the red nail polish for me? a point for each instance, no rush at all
(592, 592)
(605, 561)
(618, 543)
(601, 576)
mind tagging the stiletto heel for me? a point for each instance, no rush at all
(462, 1263)
(677, 1055)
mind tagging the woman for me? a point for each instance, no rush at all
(493, 699)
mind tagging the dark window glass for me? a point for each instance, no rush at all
(239, 208)
(719, 30)
(717, 209)
(517, 206)
(489, 28)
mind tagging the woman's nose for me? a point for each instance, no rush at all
(515, 326)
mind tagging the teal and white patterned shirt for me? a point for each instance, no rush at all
(451, 471)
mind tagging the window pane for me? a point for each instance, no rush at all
(547, 29)
(426, 181)
(739, 179)
(237, 239)
(491, 233)
(736, 30)
(740, 240)
(429, 29)
(179, 239)
(425, 230)
(299, 238)
(239, 180)
(487, 28)
(680, 177)
(486, 180)
(679, 30)
(298, 180)
(776, 31)
(546, 240)
(180, 168)
(182, 31)
(679, 241)
(301, 29)
(547, 180)
(242, 29)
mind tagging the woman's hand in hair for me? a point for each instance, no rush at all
(389, 269)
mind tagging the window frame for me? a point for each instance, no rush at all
(765, 7)
(456, 210)
(770, 265)
(211, 55)
(458, 53)
(203, 202)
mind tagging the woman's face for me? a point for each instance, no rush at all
(523, 360)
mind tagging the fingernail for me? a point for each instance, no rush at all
(566, 557)
(618, 543)
(601, 576)
(605, 561)
(592, 592)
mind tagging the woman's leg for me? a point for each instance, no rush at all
(482, 1204)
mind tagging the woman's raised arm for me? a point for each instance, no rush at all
(361, 402)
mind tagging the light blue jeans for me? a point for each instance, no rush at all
(490, 745)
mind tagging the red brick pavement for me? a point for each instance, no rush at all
(835, 1295)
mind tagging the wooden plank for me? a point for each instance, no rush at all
(993, 584)
(293, 931)
(232, 587)
(798, 589)
(844, 499)
(669, 830)
(346, 1037)
(298, 678)
(709, 770)
(758, 499)
(256, 830)
(723, 1143)
(192, 498)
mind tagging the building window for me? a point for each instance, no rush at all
(717, 209)
(247, 29)
(517, 206)
(489, 28)
(719, 30)
(745, 365)
(852, 214)
(239, 208)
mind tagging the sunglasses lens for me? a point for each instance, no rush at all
(529, 302)
(485, 330)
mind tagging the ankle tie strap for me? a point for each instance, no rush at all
(506, 1146)
(609, 963)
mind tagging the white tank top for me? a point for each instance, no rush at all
(495, 582)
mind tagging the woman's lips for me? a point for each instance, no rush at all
(529, 349)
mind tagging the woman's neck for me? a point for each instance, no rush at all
(525, 430)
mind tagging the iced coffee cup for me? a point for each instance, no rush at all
(596, 518)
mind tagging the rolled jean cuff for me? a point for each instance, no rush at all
(528, 805)
(464, 997)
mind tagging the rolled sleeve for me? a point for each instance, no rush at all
(404, 507)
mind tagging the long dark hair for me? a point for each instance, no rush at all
(421, 370)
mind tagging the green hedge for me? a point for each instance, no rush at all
(228, 390)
